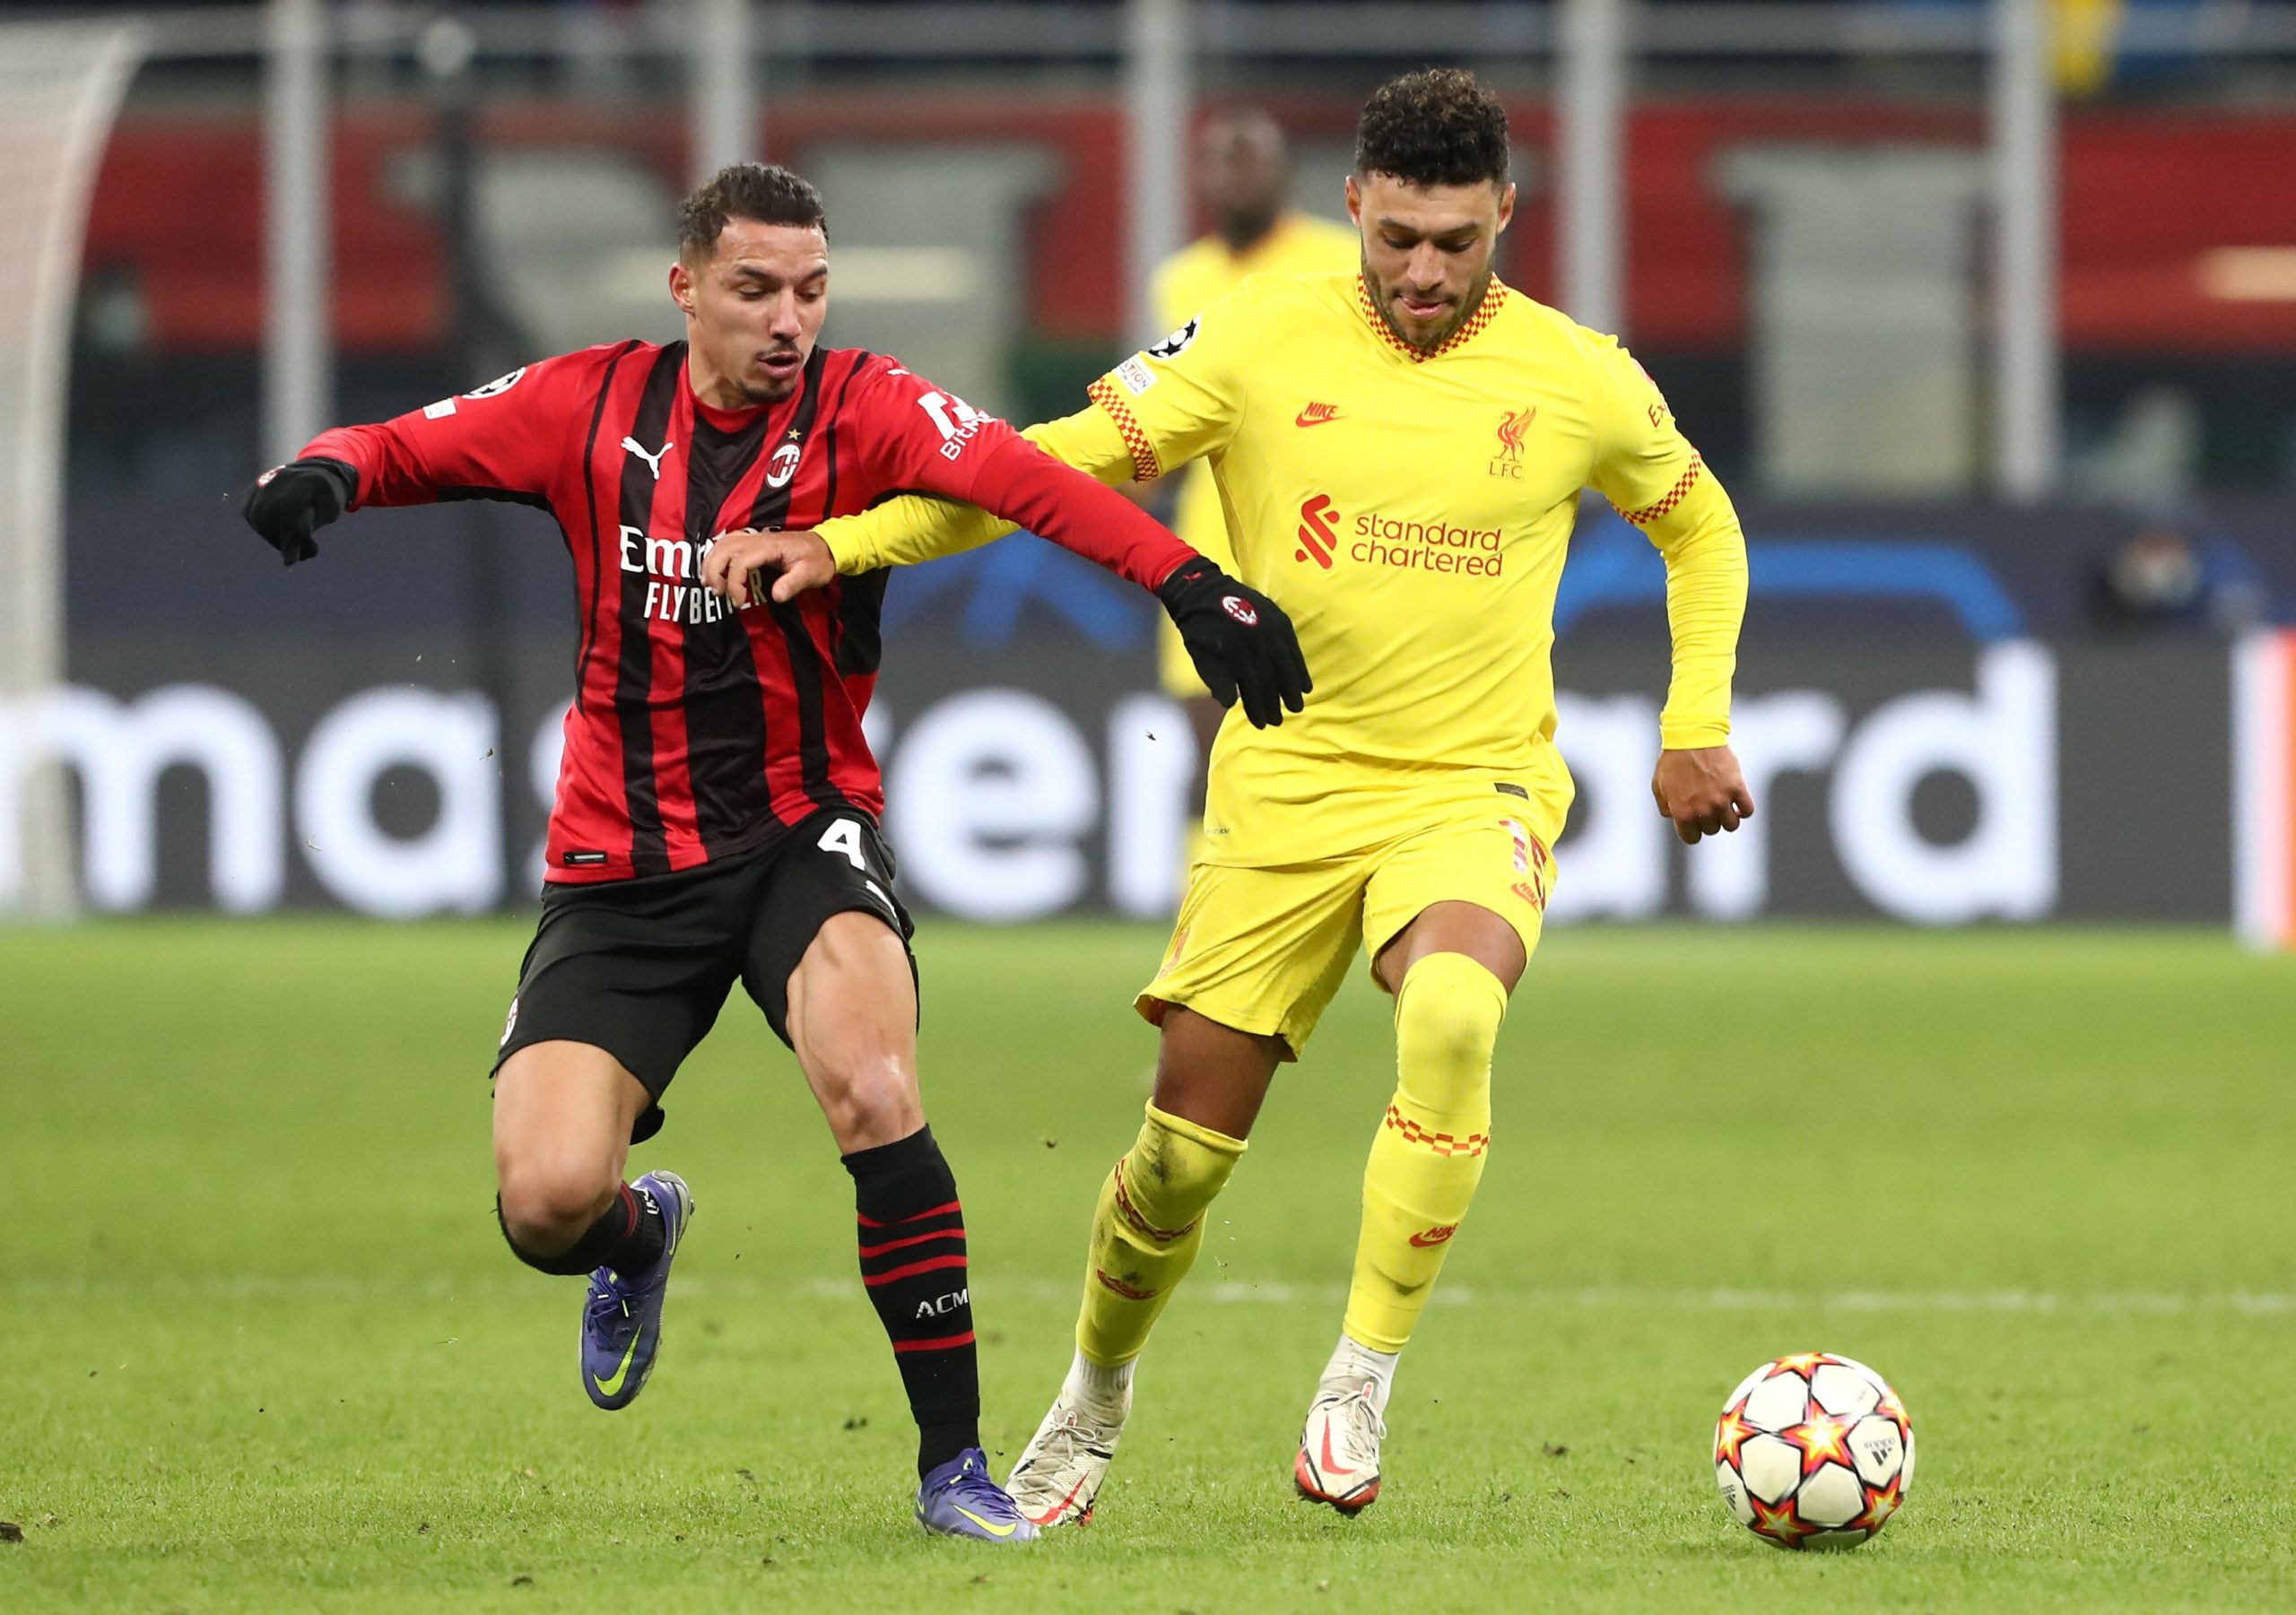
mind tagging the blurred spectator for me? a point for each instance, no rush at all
(2169, 575)
(1243, 178)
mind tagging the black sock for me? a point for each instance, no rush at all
(627, 1236)
(913, 1262)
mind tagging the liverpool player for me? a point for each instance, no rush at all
(717, 811)
(1400, 450)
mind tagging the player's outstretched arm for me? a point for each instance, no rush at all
(916, 437)
(1242, 643)
(507, 439)
(918, 527)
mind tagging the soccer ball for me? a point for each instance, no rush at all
(1814, 1451)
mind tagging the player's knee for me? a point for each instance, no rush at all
(1447, 1015)
(869, 1099)
(544, 1208)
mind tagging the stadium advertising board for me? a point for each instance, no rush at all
(1917, 779)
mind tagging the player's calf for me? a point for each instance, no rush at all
(911, 1226)
(1428, 1155)
(1147, 1228)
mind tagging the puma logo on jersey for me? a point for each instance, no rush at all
(652, 461)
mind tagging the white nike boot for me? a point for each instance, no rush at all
(1059, 1473)
(1338, 1461)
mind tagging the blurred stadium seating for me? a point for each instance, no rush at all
(1941, 681)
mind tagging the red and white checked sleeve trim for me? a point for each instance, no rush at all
(1673, 497)
(1145, 466)
(1442, 1143)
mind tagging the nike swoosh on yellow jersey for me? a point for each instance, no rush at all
(610, 1386)
(1005, 1529)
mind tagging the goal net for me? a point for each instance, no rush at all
(60, 88)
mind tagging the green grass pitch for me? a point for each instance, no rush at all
(265, 1350)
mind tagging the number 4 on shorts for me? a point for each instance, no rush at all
(844, 835)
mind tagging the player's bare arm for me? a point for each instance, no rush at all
(1702, 790)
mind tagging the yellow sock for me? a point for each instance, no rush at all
(1428, 1156)
(1146, 1231)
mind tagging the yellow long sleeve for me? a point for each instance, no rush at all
(918, 527)
(1705, 551)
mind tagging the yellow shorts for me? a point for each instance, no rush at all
(1263, 948)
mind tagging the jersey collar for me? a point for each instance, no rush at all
(1493, 296)
(736, 421)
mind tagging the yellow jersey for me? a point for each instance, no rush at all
(1411, 512)
(1199, 276)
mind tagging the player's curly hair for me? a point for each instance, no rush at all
(765, 192)
(1436, 127)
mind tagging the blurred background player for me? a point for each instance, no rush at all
(1404, 449)
(1243, 176)
(718, 804)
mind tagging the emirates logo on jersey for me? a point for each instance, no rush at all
(779, 469)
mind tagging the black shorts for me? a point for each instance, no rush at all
(640, 967)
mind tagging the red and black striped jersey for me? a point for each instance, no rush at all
(698, 731)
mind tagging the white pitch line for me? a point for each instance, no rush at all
(1238, 1293)
(1229, 1292)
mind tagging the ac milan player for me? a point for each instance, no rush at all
(716, 809)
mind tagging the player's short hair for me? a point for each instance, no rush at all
(1436, 127)
(764, 193)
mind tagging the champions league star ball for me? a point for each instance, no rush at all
(1814, 1451)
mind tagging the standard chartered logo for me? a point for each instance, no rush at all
(1436, 546)
(1386, 540)
(1318, 538)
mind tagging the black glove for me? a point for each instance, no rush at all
(1240, 641)
(289, 502)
